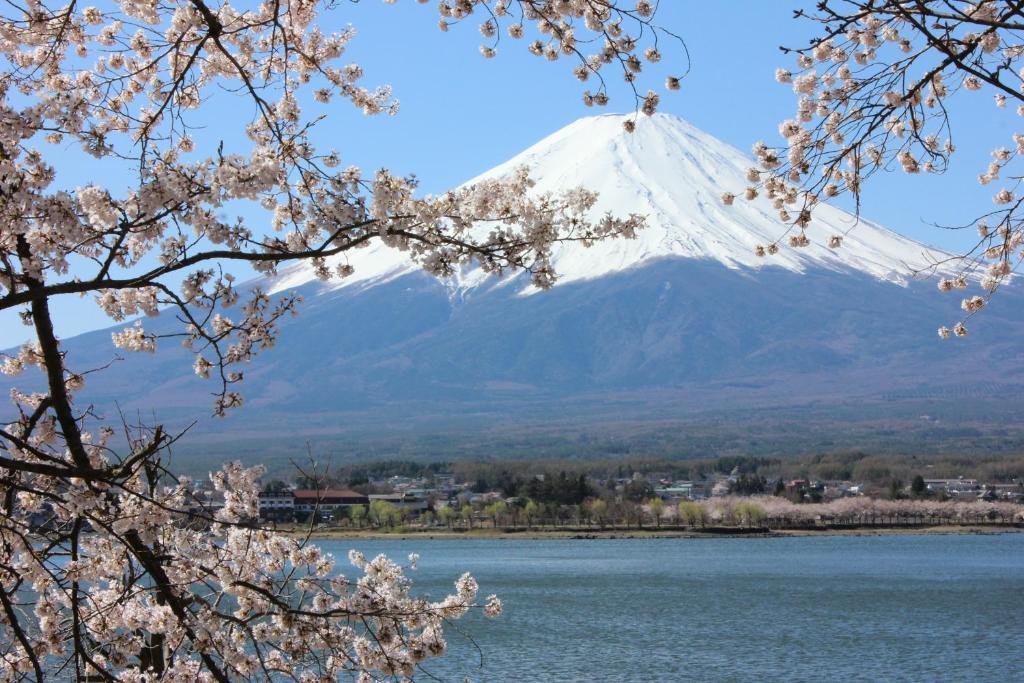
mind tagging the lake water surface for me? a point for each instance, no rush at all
(914, 608)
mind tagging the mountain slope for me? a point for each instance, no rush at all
(675, 175)
(684, 322)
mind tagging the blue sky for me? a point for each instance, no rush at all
(461, 114)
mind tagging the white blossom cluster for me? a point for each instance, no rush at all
(593, 34)
(858, 509)
(267, 605)
(110, 567)
(874, 92)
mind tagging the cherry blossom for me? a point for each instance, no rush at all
(111, 567)
(874, 89)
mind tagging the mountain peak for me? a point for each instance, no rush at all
(675, 174)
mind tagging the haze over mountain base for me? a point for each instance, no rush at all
(679, 357)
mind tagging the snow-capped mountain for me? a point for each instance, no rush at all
(685, 320)
(675, 175)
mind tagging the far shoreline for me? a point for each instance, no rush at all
(621, 534)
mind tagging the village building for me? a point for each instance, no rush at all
(959, 487)
(277, 506)
(402, 501)
(328, 503)
(675, 492)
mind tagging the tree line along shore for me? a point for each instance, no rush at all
(838, 491)
(727, 515)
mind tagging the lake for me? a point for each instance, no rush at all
(913, 608)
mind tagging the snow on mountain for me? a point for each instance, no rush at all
(674, 174)
(684, 321)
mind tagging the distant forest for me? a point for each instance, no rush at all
(961, 432)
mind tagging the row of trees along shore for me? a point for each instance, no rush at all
(770, 512)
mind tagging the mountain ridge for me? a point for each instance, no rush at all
(674, 174)
(392, 354)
